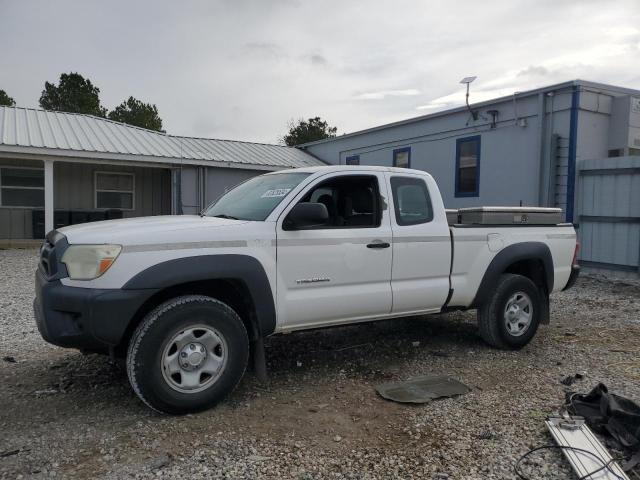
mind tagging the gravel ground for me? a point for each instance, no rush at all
(66, 415)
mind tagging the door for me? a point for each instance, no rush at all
(340, 270)
(421, 245)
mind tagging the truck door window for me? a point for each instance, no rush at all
(353, 201)
(411, 201)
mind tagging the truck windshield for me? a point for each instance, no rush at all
(256, 198)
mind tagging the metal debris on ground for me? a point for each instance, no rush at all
(421, 389)
(613, 416)
(587, 456)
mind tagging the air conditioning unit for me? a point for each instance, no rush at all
(624, 127)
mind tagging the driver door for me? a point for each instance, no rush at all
(340, 271)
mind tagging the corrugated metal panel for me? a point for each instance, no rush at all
(609, 207)
(33, 128)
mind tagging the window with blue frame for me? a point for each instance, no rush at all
(402, 157)
(352, 160)
(468, 166)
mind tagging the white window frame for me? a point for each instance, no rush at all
(15, 167)
(132, 191)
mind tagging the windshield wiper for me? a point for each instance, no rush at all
(228, 217)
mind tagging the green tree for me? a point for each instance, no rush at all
(308, 131)
(135, 112)
(6, 100)
(73, 94)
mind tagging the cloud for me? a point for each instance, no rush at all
(458, 98)
(263, 49)
(317, 59)
(533, 70)
(382, 94)
(241, 68)
(437, 106)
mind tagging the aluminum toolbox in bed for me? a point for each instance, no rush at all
(510, 216)
(452, 216)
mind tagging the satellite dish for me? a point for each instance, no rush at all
(466, 81)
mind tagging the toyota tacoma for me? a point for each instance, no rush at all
(186, 299)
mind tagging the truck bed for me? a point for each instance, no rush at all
(474, 247)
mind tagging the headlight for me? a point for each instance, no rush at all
(86, 262)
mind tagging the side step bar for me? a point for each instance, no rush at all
(572, 432)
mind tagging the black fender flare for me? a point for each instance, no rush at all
(508, 256)
(243, 268)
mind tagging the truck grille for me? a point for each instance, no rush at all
(50, 254)
(47, 258)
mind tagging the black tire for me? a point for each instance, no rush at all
(146, 353)
(492, 319)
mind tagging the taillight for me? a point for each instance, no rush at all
(575, 254)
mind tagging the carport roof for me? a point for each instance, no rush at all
(41, 132)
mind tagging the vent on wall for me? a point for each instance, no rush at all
(621, 152)
(616, 152)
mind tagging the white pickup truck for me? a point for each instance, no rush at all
(186, 298)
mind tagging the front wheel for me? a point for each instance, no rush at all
(510, 318)
(187, 354)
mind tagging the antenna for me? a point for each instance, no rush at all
(467, 81)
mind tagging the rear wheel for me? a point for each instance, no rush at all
(187, 354)
(510, 318)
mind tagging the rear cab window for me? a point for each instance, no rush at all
(411, 200)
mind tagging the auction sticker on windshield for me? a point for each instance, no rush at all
(276, 192)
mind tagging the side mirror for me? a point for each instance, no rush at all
(306, 215)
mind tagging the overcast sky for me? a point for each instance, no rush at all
(241, 69)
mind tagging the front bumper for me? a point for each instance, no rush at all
(85, 318)
(575, 273)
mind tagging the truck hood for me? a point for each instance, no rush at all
(148, 230)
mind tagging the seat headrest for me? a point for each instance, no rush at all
(362, 200)
(327, 201)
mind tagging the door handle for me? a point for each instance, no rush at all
(378, 245)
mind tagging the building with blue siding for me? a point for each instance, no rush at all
(518, 150)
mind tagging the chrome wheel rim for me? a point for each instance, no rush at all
(193, 359)
(518, 314)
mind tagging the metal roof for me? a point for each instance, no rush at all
(30, 130)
